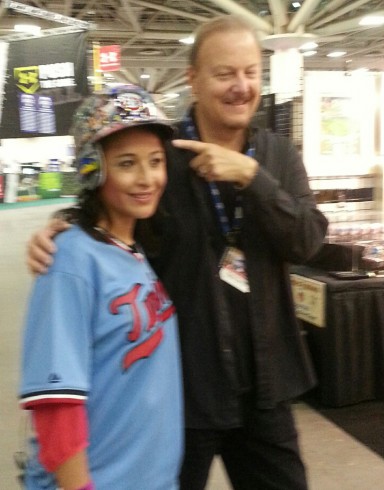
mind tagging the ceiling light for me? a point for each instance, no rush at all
(309, 53)
(310, 45)
(171, 95)
(372, 20)
(361, 70)
(187, 40)
(28, 28)
(150, 52)
(296, 5)
(336, 54)
(145, 75)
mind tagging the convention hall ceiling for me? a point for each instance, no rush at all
(149, 31)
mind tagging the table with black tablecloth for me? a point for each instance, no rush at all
(348, 351)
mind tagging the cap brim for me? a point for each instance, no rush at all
(164, 130)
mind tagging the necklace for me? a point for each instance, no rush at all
(132, 248)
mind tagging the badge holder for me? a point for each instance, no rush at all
(232, 269)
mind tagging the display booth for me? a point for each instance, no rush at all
(339, 295)
(343, 321)
(44, 80)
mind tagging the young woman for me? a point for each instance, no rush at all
(101, 371)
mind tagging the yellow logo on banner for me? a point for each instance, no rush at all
(27, 78)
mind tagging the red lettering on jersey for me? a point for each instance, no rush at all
(167, 313)
(129, 299)
(154, 303)
(143, 350)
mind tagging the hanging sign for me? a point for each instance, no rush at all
(46, 81)
(3, 71)
(109, 58)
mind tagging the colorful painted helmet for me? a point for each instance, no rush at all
(105, 113)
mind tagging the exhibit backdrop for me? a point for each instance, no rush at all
(3, 68)
(46, 81)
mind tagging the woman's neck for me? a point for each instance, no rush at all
(123, 232)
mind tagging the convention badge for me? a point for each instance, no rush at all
(232, 269)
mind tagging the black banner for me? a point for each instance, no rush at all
(46, 81)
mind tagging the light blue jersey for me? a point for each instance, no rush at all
(101, 330)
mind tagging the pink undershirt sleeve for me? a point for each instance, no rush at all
(62, 431)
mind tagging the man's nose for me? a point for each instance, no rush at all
(241, 83)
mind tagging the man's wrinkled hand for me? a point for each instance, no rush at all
(41, 247)
(216, 163)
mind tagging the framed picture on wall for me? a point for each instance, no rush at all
(340, 126)
(339, 123)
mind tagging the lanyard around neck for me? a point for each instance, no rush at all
(229, 231)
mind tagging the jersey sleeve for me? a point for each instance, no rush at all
(57, 342)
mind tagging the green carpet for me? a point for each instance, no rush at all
(38, 202)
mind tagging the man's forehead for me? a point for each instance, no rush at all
(229, 35)
(231, 39)
(230, 60)
(238, 65)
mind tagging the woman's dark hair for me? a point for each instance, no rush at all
(89, 209)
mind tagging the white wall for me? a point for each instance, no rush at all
(39, 150)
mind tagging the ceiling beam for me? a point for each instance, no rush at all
(175, 82)
(302, 15)
(330, 7)
(279, 13)
(212, 11)
(68, 7)
(87, 7)
(130, 76)
(169, 10)
(339, 13)
(344, 25)
(103, 32)
(148, 83)
(234, 8)
(22, 8)
(130, 14)
(159, 62)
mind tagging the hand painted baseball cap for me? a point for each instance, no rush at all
(105, 113)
